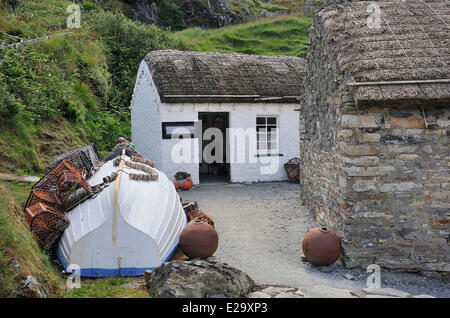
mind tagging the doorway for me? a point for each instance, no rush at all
(217, 171)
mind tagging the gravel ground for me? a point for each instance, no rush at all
(260, 229)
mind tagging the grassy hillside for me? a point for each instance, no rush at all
(18, 246)
(282, 35)
(71, 89)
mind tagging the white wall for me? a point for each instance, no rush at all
(145, 116)
(240, 116)
(148, 113)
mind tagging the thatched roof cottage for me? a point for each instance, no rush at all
(235, 95)
(374, 127)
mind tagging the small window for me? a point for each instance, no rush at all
(267, 134)
(179, 129)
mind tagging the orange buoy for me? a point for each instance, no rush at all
(190, 181)
(321, 246)
(186, 185)
(176, 184)
(199, 239)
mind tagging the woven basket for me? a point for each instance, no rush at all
(293, 169)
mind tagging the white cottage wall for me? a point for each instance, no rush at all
(146, 128)
(242, 115)
(148, 113)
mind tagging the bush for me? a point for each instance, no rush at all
(128, 43)
(13, 4)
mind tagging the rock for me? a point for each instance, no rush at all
(197, 279)
(31, 288)
(300, 293)
(274, 290)
(327, 269)
(391, 292)
(349, 277)
(16, 265)
(358, 293)
(424, 296)
(327, 292)
(259, 294)
(246, 8)
(288, 295)
(266, 14)
(145, 12)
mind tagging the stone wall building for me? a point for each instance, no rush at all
(374, 127)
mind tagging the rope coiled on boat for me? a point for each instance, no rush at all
(151, 173)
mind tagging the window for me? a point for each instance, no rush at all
(267, 134)
(183, 129)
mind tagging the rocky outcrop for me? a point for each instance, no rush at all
(198, 278)
(215, 14)
(145, 12)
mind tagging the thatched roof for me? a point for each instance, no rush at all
(412, 43)
(219, 77)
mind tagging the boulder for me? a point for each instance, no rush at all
(198, 278)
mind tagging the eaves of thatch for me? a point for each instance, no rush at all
(404, 61)
(219, 77)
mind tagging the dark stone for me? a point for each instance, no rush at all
(399, 140)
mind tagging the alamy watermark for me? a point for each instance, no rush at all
(374, 279)
(74, 19)
(74, 280)
(237, 146)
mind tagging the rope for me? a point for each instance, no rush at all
(151, 173)
(143, 160)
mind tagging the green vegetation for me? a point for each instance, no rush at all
(272, 36)
(18, 244)
(109, 288)
(82, 80)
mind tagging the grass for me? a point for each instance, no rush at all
(271, 36)
(17, 243)
(108, 288)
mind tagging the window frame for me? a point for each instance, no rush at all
(268, 149)
(166, 124)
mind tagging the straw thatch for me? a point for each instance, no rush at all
(412, 43)
(219, 77)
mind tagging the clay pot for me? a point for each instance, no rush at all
(176, 184)
(321, 246)
(186, 185)
(199, 239)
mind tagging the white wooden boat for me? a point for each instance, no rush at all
(131, 226)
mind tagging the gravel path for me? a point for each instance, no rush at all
(260, 229)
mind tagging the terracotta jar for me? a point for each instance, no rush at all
(199, 239)
(321, 246)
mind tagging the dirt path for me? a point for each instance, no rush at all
(16, 177)
(260, 229)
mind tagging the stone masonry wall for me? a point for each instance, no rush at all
(398, 198)
(377, 176)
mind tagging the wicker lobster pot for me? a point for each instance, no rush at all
(43, 196)
(46, 223)
(72, 189)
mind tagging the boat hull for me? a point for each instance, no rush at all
(125, 230)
